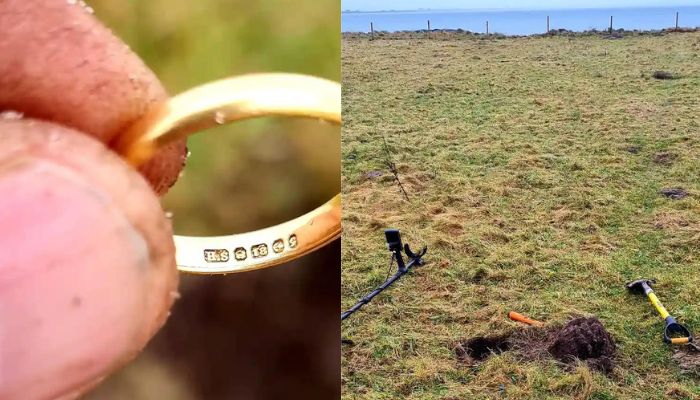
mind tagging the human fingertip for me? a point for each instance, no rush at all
(87, 270)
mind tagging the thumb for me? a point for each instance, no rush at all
(87, 271)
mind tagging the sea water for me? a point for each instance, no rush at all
(523, 22)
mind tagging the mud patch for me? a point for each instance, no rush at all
(632, 149)
(688, 360)
(663, 75)
(581, 339)
(674, 193)
(373, 174)
(664, 158)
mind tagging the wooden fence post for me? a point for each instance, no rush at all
(611, 24)
(428, 29)
(487, 28)
(371, 30)
(676, 20)
(548, 24)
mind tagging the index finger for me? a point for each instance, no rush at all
(59, 63)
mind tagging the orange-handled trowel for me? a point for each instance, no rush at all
(525, 320)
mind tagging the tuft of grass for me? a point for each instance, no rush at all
(535, 167)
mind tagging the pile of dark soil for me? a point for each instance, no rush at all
(581, 339)
(587, 340)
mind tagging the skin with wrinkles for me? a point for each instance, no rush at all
(60, 64)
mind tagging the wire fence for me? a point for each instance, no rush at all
(546, 25)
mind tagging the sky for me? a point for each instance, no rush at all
(377, 5)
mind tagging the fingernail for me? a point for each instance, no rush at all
(72, 280)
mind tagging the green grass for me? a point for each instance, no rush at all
(530, 165)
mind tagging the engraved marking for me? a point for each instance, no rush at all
(259, 250)
(216, 255)
(293, 241)
(278, 246)
(240, 254)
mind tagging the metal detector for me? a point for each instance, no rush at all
(393, 241)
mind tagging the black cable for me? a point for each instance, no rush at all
(401, 272)
(391, 262)
(393, 240)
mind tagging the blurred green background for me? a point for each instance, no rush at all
(264, 334)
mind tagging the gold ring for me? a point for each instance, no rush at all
(231, 100)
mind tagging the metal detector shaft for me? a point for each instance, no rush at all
(393, 241)
(401, 272)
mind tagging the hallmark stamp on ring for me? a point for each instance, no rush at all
(216, 255)
(259, 250)
(278, 246)
(293, 241)
(240, 254)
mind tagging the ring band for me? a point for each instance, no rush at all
(226, 101)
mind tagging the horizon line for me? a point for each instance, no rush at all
(516, 9)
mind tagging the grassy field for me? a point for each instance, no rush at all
(534, 168)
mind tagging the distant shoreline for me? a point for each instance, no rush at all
(496, 10)
(515, 22)
(455, 33)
